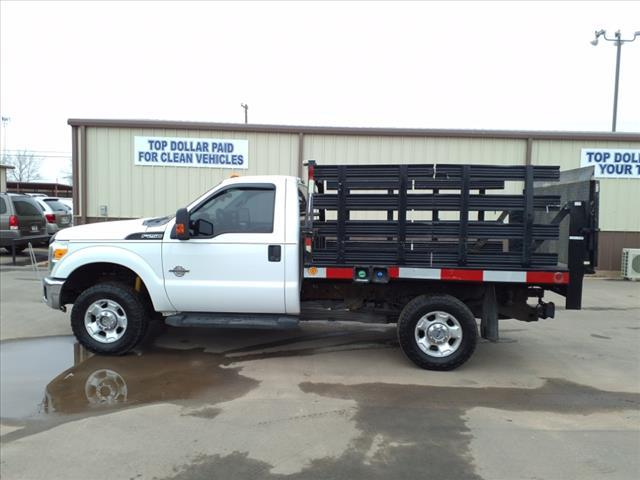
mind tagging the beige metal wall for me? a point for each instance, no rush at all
(130, 190)
(344, 149)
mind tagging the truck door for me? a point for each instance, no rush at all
(233, 262)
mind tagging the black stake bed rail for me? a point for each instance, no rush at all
(413, 198)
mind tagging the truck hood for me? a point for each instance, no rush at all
(118, 230)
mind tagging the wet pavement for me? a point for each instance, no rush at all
(79, 384)
(553, 400)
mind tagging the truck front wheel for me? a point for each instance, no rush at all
(109, 318)
(437, 332)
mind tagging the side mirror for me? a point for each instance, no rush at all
(182, 224)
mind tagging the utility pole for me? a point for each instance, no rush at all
(618, 42)
(5, 121)
(246, 108)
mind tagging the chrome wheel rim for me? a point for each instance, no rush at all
(105, 321)
(105, 387)
(438, 334)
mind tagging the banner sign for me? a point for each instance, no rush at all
(612, 162)
(191, 152)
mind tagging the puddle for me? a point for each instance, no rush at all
(53, 376)
(56, 376)
(555, 395)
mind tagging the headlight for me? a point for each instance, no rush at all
(57, 250)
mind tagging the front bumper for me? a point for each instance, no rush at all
(52, 288)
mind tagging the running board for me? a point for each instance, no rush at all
(232, 320)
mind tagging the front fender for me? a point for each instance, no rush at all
(150, 276)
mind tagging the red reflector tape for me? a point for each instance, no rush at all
(456, 274)
(343, 273)
(547, 277)
(394, 272)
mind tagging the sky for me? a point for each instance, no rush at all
(479, 65)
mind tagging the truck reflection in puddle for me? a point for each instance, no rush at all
(105, 387)
(98, 383)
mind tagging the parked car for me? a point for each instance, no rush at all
(56, 213)
(20, 216)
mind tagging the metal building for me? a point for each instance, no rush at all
(108, 184)
(3, 176)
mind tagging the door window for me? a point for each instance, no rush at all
(236, 210)
(3, 206)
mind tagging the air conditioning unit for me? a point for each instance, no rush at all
(631, 263)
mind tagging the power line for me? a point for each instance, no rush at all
(26, 150)
(36, 153)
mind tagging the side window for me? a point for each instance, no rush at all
(3, 206)
(237, 210)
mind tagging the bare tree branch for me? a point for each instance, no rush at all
(67, 174)
(26, 167)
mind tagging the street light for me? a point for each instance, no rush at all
(618, 41)
(246, 107)
(5, 121)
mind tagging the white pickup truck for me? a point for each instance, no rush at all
(268, 251)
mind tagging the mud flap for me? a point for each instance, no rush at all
(489, 321)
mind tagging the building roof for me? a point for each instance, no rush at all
(38, 184)
(361, 131)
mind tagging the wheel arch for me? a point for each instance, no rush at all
(90, 274)
(87, 266)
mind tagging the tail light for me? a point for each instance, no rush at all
(51, 218)
(13, 222)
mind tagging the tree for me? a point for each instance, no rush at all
(66, 174)
(26, 167)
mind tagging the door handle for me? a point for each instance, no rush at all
(275, 253)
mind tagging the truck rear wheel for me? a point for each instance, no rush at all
(109, 318)
(437, 332)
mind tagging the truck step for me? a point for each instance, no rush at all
(232, 320)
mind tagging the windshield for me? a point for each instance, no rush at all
(56, 205)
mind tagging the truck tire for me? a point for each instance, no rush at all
(109, 318)
(437, 332)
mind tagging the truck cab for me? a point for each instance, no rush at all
(241, 254)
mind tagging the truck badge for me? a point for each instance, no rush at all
(179, 271)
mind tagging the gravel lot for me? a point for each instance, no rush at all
(557, 399)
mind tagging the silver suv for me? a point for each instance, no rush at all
(20, 217)
(55, 212)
